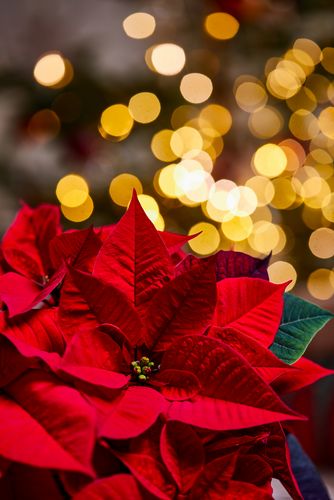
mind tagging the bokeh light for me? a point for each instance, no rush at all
(78, 213)
(116, 120)
(121, 188)
(320, 284)
(221, 25)
(50, 69)
(161, 145)
(251, 96)
(144, 107)
(270, 160)
(168, 59)
(196, 87)
(207, 241)
(321, 243)
(139, 25)
(72, 191)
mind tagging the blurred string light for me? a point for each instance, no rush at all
(44, 125)
(168, 59)
(207, 241)
(320, 284)
(139, 25)
(116, 121)
(221, 25)
(53, 70)
(144, 107)
(196, 87)
(72, 192)
(121, 188)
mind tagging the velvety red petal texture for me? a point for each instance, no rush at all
(219, 415)
(223, 373)
(52, 415)
(242, 301)
(93, 303)
(150, 473)
(305, 373)
(182, 453)
(134, 258)
(132, 413)
(117, 487)
(184, 306)
(25, 245)
(77, 248)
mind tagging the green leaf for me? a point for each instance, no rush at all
(301, 321)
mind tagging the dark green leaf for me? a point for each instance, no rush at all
(301, 321)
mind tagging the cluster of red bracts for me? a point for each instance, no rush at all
(130, 370)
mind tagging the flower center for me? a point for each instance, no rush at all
(142, 369)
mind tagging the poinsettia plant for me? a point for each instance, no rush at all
(129, 369)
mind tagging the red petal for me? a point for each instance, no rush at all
(21, 294)
(77, 247)
(48, 435)
(184, 306)
(134, 258)
(36, 333)
(26, 243)
(117, 487)
(50, 425)
(214, 477)
(252, 306)
(232, 264)
(104, 380)
(150, 473)
(133, 413)
(91, 303)
(223, 373)
(177, 385)
(305, 373)
(276, 453)
(95, 349)
(182, 453)
(219, 415)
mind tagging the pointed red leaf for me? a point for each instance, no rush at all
(267, 365)
(117, 487)
(177, 385)
(251, 305)
(132, 413)
(21, 294)
(276, 453)
(175, 241)
(150, 473)
(182, 453)
(95, 349)
(36, 332)
(76, 247)
(219, 415)
(305, 372)
(46, 424)
(91, 303)
(134, 258)
(25, 245)
(222, 373)
(184, 306)
(232, 264)
(212, 482)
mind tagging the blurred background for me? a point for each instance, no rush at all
(219, 113)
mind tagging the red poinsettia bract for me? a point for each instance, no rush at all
(130, 371)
